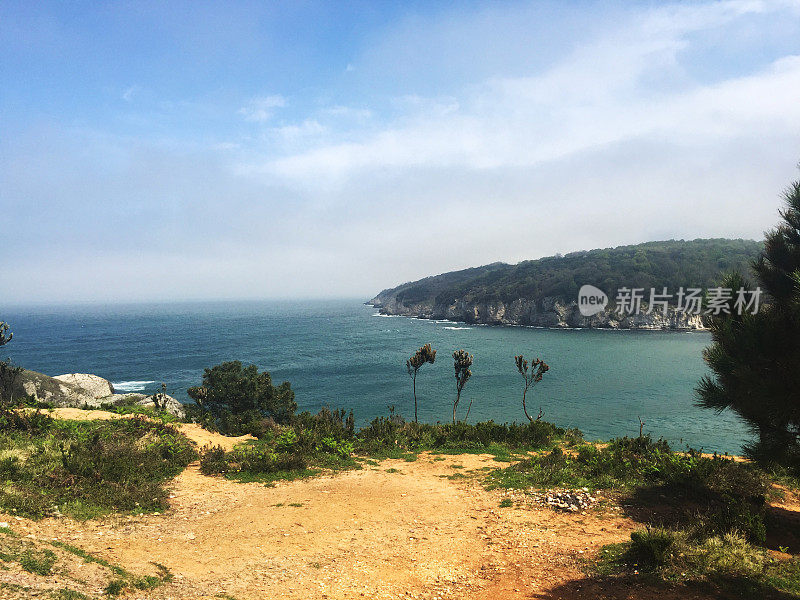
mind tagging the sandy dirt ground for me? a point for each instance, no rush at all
(425, 529)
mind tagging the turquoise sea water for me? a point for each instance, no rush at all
(340, 354)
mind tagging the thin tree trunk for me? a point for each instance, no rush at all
(525, 408)
(414, 380)
(455, 405)
(469, 408)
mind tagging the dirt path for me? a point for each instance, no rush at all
(193, 431)
(424, 529)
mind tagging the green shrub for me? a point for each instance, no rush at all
(651, 548)
(236, 399)
(214, 461)
(88, 468)
(390, 433)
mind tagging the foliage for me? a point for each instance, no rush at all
(714, 495)
(462, 363)
(9, 374)
(755, 358)
(537, 370)
(160, 399)
(727, 562)
(5, 337)
(387, 435)
(673, 263)
(303, 447)
(235, 399)
(89, 468)
(424, 355)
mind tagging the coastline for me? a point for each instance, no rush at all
(594, 323)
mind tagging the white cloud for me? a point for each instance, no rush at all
(618, 140)
(261, 109)
(128, 94)
(600, 95)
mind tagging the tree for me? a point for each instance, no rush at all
(236, 395)
(160, 398)
(8, 371)
(4, 339)
(537, 370)
(462, 363)
(755, 358)
(424, 355)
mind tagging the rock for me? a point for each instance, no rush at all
(172, 406)
(93, 385)
(79, 389)
(63, 392)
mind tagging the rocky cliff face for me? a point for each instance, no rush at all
(80, 389)
(548, 312)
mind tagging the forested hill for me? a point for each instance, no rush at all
(671, 264)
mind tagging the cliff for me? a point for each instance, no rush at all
(543, 293)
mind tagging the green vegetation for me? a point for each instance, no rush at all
(424, 355)
(5, 337)
(727, 562)
(237, 400)
(673, 263)
(706, 518)
(328, 441)
(715, 495)
(462, 362)
(537, 370)
(47, 558)
(306, 446)
(9, 373)
(86, 468)
(756, 357)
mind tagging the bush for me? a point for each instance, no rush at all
(213, 461)
(391, 433)
(712, 495)
(91, 468)
(651, 548)
(236, 399)
(727, 562)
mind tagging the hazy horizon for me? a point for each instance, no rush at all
(195, 151)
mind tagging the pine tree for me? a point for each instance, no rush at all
(755, 358)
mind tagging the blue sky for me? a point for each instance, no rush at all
(189, 150)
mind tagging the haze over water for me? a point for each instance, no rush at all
(338, 353)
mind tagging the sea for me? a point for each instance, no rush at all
(342, 354)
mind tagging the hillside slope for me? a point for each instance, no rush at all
(543, 292)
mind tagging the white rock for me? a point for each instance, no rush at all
(94, 386)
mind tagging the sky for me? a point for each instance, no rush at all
(249, 150)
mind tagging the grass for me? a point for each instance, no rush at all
(135, 409)
(86, 469)
(506, 503)
(312, 444)
(33, 557)
(728, 563)
(67, 594)
(715, 495)
(30, 558)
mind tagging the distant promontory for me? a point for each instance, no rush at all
(544, 292)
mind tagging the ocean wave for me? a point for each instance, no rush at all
(131, 386)
(456, 328)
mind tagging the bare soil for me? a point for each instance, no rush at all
(427, 530)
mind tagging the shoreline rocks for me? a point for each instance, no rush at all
(549, 312)
(78, 390)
